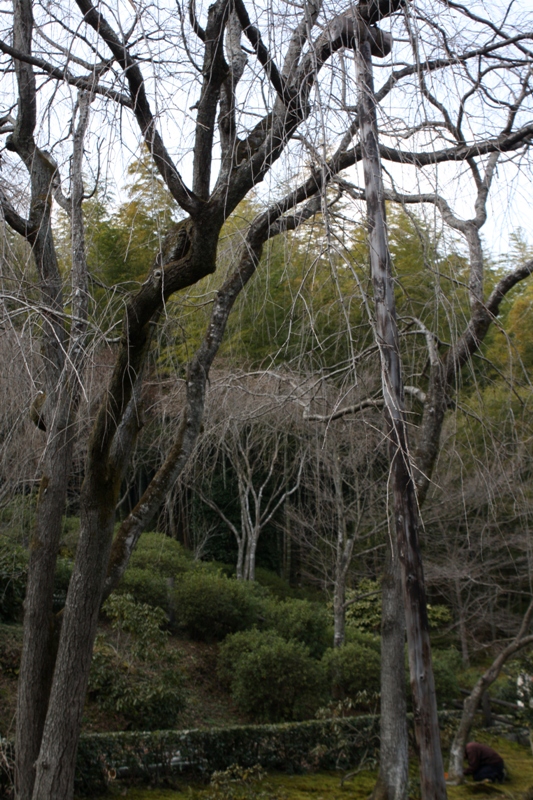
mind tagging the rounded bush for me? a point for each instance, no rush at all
(353, 668)
(133, 671)
(146, 586)
(301, 621)
(277, 586)
(209, 606)
(162, 555)
(272, 680)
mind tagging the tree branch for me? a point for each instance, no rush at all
(15, 221)
(265, 59)
(63, 74)
(141, 107)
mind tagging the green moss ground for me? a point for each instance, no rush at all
(326, 785)
(312, 786)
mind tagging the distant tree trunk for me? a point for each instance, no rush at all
(344, 551)
(433, 786)
(251, 553)
(462, 625)
(339, 611)
(239, 569)
(287, 548)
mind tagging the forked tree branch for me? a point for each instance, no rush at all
(265, 58)
(141, 106)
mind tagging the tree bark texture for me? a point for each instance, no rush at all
(393, 776)
(433, 786)
(62, 392)
(344, 551)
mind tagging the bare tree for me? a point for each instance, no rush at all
(402, 482)
(265, 467)
(339, 512)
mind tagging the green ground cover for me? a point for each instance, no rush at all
(327, 785)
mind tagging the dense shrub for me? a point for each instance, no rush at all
(61, 581)
(146, 586)
(17, 518)
(301, 621)
(162, 555)
(62, 575)
(13, 575)
(356, 636)
(353, 668)
(148, 700)
(156, 564)
(209, 605)
(272, 679)
(123, 676)
(70, 533)
(364, 611)
(10, 649)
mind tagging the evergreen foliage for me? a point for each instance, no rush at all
(209, 606)
(301, 621)
(352, 669)
(122, 675)
(271, 679)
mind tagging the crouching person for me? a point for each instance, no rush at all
(484, 763)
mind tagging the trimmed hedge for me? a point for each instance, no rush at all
(292, 747)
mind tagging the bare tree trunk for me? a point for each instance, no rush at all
(39, 642)
(57, 757)
(433, 786)
(63, 367)
(344, 551)
(471, 703)
(252, 553)
(240, 559)
(462, 625)
(287, 548)
(393, 777)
